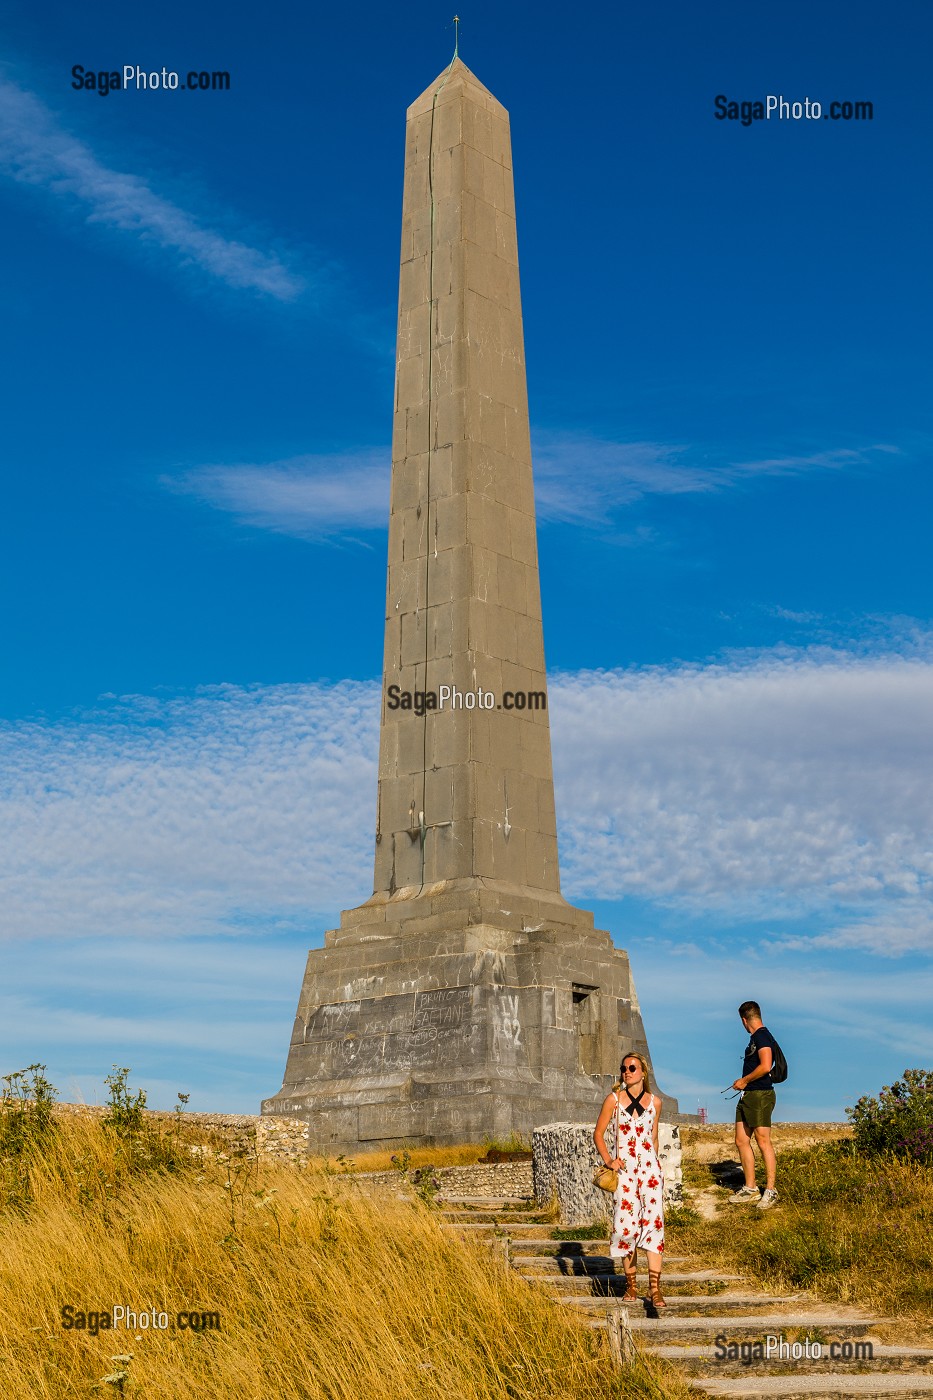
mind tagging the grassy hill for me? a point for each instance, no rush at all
(258, 1281)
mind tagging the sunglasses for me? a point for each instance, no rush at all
(631, 1069)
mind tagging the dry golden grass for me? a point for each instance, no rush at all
(326, 1289)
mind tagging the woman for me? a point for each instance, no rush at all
(638, 1209)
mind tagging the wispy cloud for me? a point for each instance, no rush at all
(35, 149)
(219, 812)
(584, 479)
(164, 862)
(579, 480)
(791, 782)
(312, 497)
(765, 788)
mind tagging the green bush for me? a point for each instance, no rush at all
(899, 1120)
(26, 1126)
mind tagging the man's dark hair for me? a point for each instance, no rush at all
(749, 1008)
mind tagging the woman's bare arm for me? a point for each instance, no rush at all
(602, 1123)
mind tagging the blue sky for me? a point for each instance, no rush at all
(729, 368)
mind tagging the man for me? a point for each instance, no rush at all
(754, 1108)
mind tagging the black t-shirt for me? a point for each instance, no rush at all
(760, 1040)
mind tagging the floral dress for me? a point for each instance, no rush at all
(638, 1206)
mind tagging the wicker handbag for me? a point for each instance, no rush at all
(604, 1177)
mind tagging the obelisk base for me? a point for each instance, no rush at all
(451, 1030)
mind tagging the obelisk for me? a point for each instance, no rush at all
(466, 997)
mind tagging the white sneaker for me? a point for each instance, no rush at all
(747, 1193)
(768, 1198)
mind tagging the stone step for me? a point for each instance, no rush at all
(584, 1266)
(535, 1230)
(483, 1202)
(736, 1327)
(570, 1249)
(494, 1217)
(565, 1249)
(820, 1386)
(680, 1303)
(708, 1361)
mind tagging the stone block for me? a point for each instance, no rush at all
(448, 746)
(441, 482)
(448, 313)
(449, 177)
(411, 384)
(406, 585)
(477, 129)
(485, 582)
(506, 237)
(409, 478)
(565, 1158)
(413, 639)
(450, 418)
(450, 523)
(413, 284)
(511, 578)
(530, 640)
(487, 523)
(448, 119)
(417, 430)
(448, 222)
(480, 223)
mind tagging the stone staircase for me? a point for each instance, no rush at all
(715, 1327)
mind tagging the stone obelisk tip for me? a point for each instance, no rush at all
(456, 78)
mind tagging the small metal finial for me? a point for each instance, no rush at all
(456, 35)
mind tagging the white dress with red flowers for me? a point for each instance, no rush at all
(638, 1203)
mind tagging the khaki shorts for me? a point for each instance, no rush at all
(755, 1108)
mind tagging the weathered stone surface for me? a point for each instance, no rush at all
(565, 1158)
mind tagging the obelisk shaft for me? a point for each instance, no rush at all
(466, 998)
(463, 792)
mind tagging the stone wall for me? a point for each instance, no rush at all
(564, 1161)
(282, 1139)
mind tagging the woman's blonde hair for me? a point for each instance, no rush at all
(633, 1055)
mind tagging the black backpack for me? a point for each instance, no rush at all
(779, 1064)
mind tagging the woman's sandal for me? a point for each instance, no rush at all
(654, 1289)
(631, 1277)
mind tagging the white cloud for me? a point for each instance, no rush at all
(794, 782)
(584, 479)
(580, 480)
(36, 150)
(203, 814)
(311, 497)
(767, 788)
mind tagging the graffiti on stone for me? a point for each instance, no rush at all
(443, 1008)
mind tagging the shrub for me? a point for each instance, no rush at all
(25, 1111)
(125, 1111)
(26, 1128)
(899, 1120)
